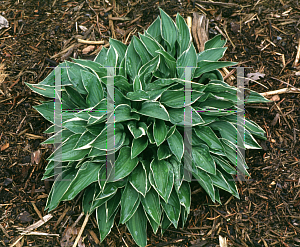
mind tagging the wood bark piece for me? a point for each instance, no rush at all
(200, 30)
(32, 227)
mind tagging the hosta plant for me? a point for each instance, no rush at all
(149, 80)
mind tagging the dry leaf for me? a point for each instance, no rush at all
(275, 97)
(36, 157)
(88, 49)
(255, 76)
(4, 146)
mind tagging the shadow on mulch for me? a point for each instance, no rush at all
(261, 35)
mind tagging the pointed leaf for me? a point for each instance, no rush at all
(137, 226)
(138, 146)
(175, 142)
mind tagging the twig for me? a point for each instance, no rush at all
(100, 42)
(4, 231)
(37, 211)
(285, 83)
(226, 5)
(81, 230)
(280, 91)
(282, 115)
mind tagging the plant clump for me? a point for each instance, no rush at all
(147, 79)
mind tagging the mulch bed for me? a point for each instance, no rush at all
(263, 35)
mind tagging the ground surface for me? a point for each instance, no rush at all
(264, 35)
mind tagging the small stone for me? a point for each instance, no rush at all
(25, 217)
(7, 181)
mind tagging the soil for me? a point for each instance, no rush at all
(262, 35)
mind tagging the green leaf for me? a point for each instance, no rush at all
(66, 152)
(129, 203)
(141, 50)
(175, 142)
(154, 109)
(216, 86)
(104, 224)
(137, 131)
(235, 156)
(184, 37)
(177, 171)
(224, 165)
(203, 160)
(205, 181)
(137, 226)
(187, 59)
(161, 83)
(255, 97)
(232, 185)
(228, 131)
(146, 71)
(206, 134)
(184, 195)
(44, 90)
(112, 205)
(167, 64)
(124, 164)
(123, 113)
(150, 45)
(176, 98)
(177, 116)
(59, 187)
(101, 57)
(75, 97)
(120, 82)
(215, 42)
(112, 58)
(87, 174)
(154, 30)
(132, 62)
(172, 208)
(163, 152)
(153, 224)
(207, 66)
(119, 47)
(75, 125)
(163, 178)
(165, 223)
(151, 205)
(94, 67)
(138, 146)
(103, 138)
(46, 109)
(137, 84)
(138, 179)
(159, 131)
(139, 95)
(168, 30)
(150, 134)
(213, 54)
(74, 74)
(85, 139)
(88, 197)
(220, 181)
